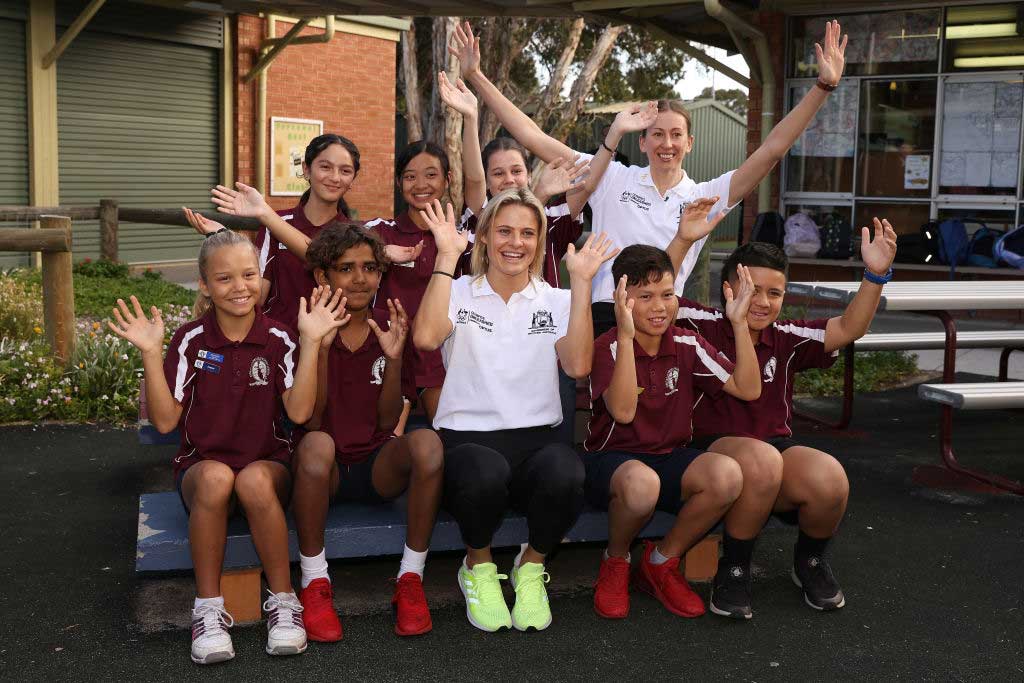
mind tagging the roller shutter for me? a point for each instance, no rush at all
(13, 127)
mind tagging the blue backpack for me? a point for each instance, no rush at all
(954, 245)
(982, 248)
(1010, 248)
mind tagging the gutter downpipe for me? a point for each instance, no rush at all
(715, 9)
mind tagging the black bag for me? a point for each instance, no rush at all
(769, 227)
(836, 237)
(919, 247)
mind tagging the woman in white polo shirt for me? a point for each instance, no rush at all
(634, 204)
(503, 332)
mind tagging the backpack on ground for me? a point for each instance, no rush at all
(980, 252)
(769, 227)
(801, 238)
(836, 237)
(1009, 248)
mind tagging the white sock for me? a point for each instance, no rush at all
(519, 558)
(313, 568)
(626, 558)
(412, 561)
(657, 558)
(219, 601)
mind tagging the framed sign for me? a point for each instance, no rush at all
(288, 140)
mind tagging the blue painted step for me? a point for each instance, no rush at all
(353, 530)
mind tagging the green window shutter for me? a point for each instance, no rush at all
(138, 122)
(13, 128)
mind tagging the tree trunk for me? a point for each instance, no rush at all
(452, 119)
(441, 28)
(585, 81)
(410, 74)
(553, 91)
(509, 36)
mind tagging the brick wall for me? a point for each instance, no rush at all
(349, 84)
(774, 26)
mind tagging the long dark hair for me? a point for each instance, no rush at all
(413, 150)
(504, 144)
(318, 145)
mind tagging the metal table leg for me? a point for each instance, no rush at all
(847, 410)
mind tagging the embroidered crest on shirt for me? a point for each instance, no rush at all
(259, 372)
(463, 316)
(542, 323)
(769, 369)
(639, 201)
(671, 381)
(377, 371)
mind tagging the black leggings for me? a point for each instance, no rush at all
(529, 469)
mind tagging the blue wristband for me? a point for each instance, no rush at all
(878, 279)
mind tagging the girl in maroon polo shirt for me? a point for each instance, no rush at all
(348, 450)
(330, 165)
(227, 379)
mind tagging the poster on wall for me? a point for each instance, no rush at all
(288, 140)
(981, 134)
(917, 171)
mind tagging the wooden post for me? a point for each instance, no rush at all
(108, 229)
(701, 562)
(241, 589)
(58, 294)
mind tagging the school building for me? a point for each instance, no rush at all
(153, 103)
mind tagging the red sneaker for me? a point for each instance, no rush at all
(611, 592)
(665, 583)
(318, 615)
(412, 616)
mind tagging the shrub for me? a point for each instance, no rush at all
(21, 308)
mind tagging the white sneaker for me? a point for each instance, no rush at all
(211, 641)
(285, 633)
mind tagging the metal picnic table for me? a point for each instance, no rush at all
(935, 298)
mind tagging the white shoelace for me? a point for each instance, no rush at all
(215, 621)
(284, 610)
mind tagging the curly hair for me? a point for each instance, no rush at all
(337, 237)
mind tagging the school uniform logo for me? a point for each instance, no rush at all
(462, 317)
(769, 369)
(259, 372)
(542, 323)
(635, 199)
(377, 371)
(671, 381)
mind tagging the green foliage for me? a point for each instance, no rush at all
(733, 98)
(101, 268)
(872, 371)
(21, 307)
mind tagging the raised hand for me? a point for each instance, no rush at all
(399, 254)
(326, 315)
(624, 310)
(585, 262)
(694, 223)
(201, 224)
(466, 47)
(737, 304)
(144, 334)
(457, 96)
(441, 222)
(831, 54)
(245, 201)
(878, 254)
(635, 118)
(559, 177)
(392, 341)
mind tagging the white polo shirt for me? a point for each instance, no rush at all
(501, 369)
(628, 208)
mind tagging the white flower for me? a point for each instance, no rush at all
(124, 356)
(104, 397)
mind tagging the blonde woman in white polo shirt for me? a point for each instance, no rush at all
(644, 204)
(503, 331)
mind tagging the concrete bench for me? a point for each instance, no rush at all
(968, 396)
(1007, 340)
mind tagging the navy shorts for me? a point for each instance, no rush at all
(356, 481)
(779, 443)
(670, 468)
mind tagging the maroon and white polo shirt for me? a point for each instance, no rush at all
(286, 272)
(563, 230)
(785, 348)
(355, 380)
(669, 383)
(230, 392)
(407, 282)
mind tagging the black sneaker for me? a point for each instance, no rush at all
(821, 590)
(730, 592)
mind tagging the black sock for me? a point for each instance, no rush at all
(736, 551)
(807, 546)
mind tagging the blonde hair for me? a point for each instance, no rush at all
(678, 107)
(227, 238)
(478, 260)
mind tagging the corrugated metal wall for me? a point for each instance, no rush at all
(138, 122)
(13, 127)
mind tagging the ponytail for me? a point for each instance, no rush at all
(213, 242)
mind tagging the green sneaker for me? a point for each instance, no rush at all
(531, 610)
(485, 604)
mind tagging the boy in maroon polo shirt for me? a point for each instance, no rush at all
(348, 450)
(647, 376)
(814, 489)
